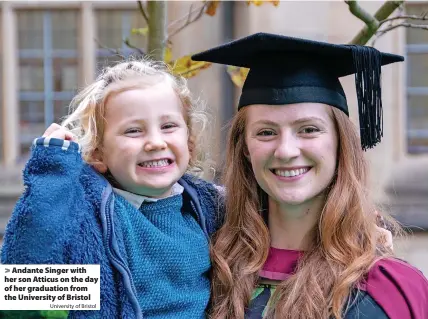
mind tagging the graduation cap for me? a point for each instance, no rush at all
(287, 70)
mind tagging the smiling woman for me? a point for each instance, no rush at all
(293, 149)
(300, 238)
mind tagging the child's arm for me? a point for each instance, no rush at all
(45, 218)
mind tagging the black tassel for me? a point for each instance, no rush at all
(367, 62)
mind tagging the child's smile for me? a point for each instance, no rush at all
(145, 142)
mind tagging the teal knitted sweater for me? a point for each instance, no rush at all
(167, 252)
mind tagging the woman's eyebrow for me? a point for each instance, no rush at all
(298, 121)
(309, 119)
(265, 122)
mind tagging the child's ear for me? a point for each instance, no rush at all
(97, 162)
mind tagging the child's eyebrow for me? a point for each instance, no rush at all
(167, 117)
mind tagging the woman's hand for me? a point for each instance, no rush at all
(57, 131)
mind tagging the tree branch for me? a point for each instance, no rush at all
(142, 11)
(360, 13)
(387, 9)
(381, 14)
(186, 16)
(404, 24)
(407, 17)
(139, 50)
(111, 50)
(157, 29)
(189, 19)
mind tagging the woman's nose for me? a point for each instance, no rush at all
(287, 148)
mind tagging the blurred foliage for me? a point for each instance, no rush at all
(237, 75)
(33, 314)
(184, 65)
(212, 8)
(260, 2)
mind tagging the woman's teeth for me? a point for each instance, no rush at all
(290, 173)
(159, 163)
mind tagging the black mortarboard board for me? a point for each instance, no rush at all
(287, 70)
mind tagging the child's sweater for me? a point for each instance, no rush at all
(67, 216)
(171, 268)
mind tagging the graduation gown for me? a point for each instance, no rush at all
(392, 289)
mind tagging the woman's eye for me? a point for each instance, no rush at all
(309, 130)
(266, 133)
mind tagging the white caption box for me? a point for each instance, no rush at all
(49, 287)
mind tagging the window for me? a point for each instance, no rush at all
(48, 72)
(417, 84)
(113, 27)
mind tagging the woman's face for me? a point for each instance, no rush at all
(292, 149)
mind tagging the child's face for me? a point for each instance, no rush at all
(145, 142)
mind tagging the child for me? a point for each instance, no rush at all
(109, 187)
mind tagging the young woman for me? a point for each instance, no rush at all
(300, 238)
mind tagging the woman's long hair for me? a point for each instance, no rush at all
(345, 245)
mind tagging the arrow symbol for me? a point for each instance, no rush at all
(7, 270)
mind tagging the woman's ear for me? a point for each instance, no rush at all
(97, 162)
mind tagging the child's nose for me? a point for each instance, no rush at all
(154, 142)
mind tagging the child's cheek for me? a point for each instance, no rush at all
(130, 147)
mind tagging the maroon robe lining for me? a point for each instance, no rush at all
(399, 288)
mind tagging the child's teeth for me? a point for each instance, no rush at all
(159, 163)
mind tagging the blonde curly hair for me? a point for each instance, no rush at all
(86, 111)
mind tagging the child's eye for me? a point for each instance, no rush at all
(310, 130)
(266, 133)
(168, 126)
(132, 130)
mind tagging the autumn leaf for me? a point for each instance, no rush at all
(260, 2)
(212, 7)
(168, 55)
(188, 68)
(238, 75)
(140, 31)
(255, 2)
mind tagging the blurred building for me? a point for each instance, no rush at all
(50, 49)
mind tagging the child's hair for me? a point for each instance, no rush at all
(87, 109)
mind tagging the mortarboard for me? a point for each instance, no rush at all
(287, 70)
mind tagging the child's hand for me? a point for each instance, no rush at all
(57, 131)
(385, 237)
(384, 234)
